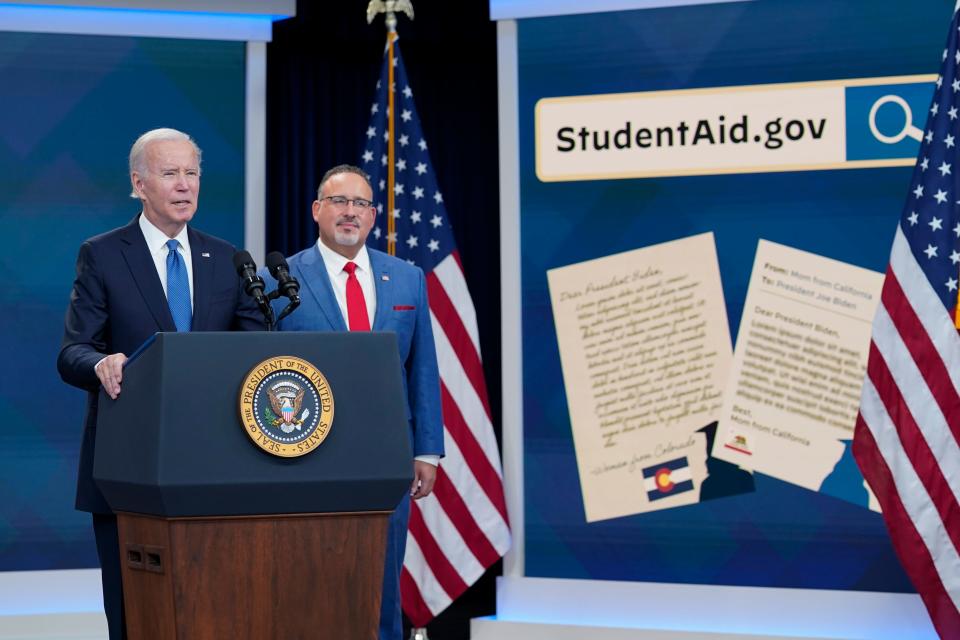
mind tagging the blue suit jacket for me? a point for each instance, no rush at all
(117, 302)
(401, 308)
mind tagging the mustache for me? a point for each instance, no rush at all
(348, 219)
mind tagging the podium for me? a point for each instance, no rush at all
(221, 539)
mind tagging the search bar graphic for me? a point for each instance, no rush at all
(906, 130)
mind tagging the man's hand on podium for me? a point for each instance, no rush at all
(110, 372)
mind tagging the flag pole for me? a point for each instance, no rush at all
(390, 8)
(391, 151)
(449, 548)
(956, 305)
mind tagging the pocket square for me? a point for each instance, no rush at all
(404, 307)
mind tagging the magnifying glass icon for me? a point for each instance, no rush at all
(907, 130)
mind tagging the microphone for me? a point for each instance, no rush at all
(253, 284)
(247, 270)
(287, 285)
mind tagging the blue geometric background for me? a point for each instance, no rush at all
(778, 534)
(70, 107)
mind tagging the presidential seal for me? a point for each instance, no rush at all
(286, 406)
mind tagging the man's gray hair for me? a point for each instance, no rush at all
(138, 152)
(342, 168)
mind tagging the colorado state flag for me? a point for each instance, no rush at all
(667, 478)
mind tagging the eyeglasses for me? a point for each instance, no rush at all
(340, 202)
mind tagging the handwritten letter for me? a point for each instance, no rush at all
(645, 349)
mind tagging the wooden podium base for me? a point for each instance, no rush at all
(312, 576)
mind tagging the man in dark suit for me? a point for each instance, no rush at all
(349, 287)
(154, 274)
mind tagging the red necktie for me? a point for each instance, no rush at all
(357, 316)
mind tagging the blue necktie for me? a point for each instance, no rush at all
(178, 288)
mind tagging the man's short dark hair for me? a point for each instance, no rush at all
(342, 168)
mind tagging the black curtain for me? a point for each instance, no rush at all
(322, 68)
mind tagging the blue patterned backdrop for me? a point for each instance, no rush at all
(70, 107)
(779, 534)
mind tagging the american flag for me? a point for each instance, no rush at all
(909, 422)
(461, 528)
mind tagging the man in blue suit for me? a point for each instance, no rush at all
(346, 286)
(154, 274)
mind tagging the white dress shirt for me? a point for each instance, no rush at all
(157, 245)
(334, 262)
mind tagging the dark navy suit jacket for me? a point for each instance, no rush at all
(118, 302)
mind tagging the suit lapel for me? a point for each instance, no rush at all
(144, 273)
(385, 287)
(202, 279)
(318, 281)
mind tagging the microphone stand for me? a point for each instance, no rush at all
(267, 311)
(293, 304)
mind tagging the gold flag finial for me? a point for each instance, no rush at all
(389, 7)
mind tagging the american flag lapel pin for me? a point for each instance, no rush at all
(205, 254)
(385, 277)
